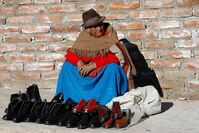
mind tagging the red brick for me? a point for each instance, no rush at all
(2, 21)
(69, 1)
(159, 44)
(124, 5)
(9, 30)
(98, 6)
(25, 75)
(164, 24)
(4, 76)
(158, 4)
(150, 54)
(143, 14)
(60, 47)
(48, 38)
(49, 75)
(178, 74)
(32, 47)
(2, 57)
(159, 74)
(142, 35)
(7, 48)
(186, 44)
(39, 66)
(50, 57)
(30, 9)
(115, 16)
(69, 7)
(35, 29)
(72, 17)
(17, 38)
(11, 66)
(54, 18)
(187, 2)
(176, 34)
(192, 63)
(178, 12)
(168, 84)
(46, 1)
(193, 84)
(162, 64)
(71, 36)
(66, 28)
(130, 26)
(7, 11)
(176, 53)
(47, 84)
(19, 19)
(20, 57)
(17, 1)
(191, 24)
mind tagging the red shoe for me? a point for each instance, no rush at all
(104, 113)
(124, 121)
(109, 123)
(91, 106)
(79, 107)
(116, 110)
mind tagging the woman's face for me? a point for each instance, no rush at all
(97, 31)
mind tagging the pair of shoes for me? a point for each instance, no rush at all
(85, 107)
(89, 120)
(119, 118)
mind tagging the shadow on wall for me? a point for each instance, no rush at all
(145, 75)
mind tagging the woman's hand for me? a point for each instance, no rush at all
(86, 69)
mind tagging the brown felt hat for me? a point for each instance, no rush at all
(91, 18)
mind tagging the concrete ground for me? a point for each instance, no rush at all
(176, 117)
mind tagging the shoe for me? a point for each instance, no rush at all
(95, 122)
(12, 110)
(57, 112)
(73, 120)
(116, 110)
(58, 98)
(23, 112)
(45, 112)
(109, 123)
(103, 112)
(33, 93)
(70, 103)
(124, 121)
(84, 121)
(35, 112)
(79, 107)
(91, 106)
(19, 96)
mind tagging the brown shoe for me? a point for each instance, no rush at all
(124, 121)
(116, 110)
(79, 107)
(109, 123)
(91, 106)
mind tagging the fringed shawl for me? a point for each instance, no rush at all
(87, 45)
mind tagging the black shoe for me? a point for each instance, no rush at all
(95, 122)
(35, 112)
(33, 93)
(84, 121)
(19, 96)
(12, 110)
(58, 98)
(69, 105)
(23, 112)
(73, 120)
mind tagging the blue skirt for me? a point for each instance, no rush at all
(110, 82)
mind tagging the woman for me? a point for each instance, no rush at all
(91, 70)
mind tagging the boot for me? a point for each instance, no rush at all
(73, 120)
(58, 98)
(95, 122)
(35, 111)
(33, 93)
(84, 121)
(116, 110)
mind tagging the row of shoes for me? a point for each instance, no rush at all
(29, 107)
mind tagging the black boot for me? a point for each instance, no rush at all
(23, 112)
(35, 112)
(58, 98)
(95, 122)
(84, 121)
(73, 120)
(33, 93)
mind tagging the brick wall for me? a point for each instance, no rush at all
(34, 35)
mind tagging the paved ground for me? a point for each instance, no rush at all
(176, 117)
